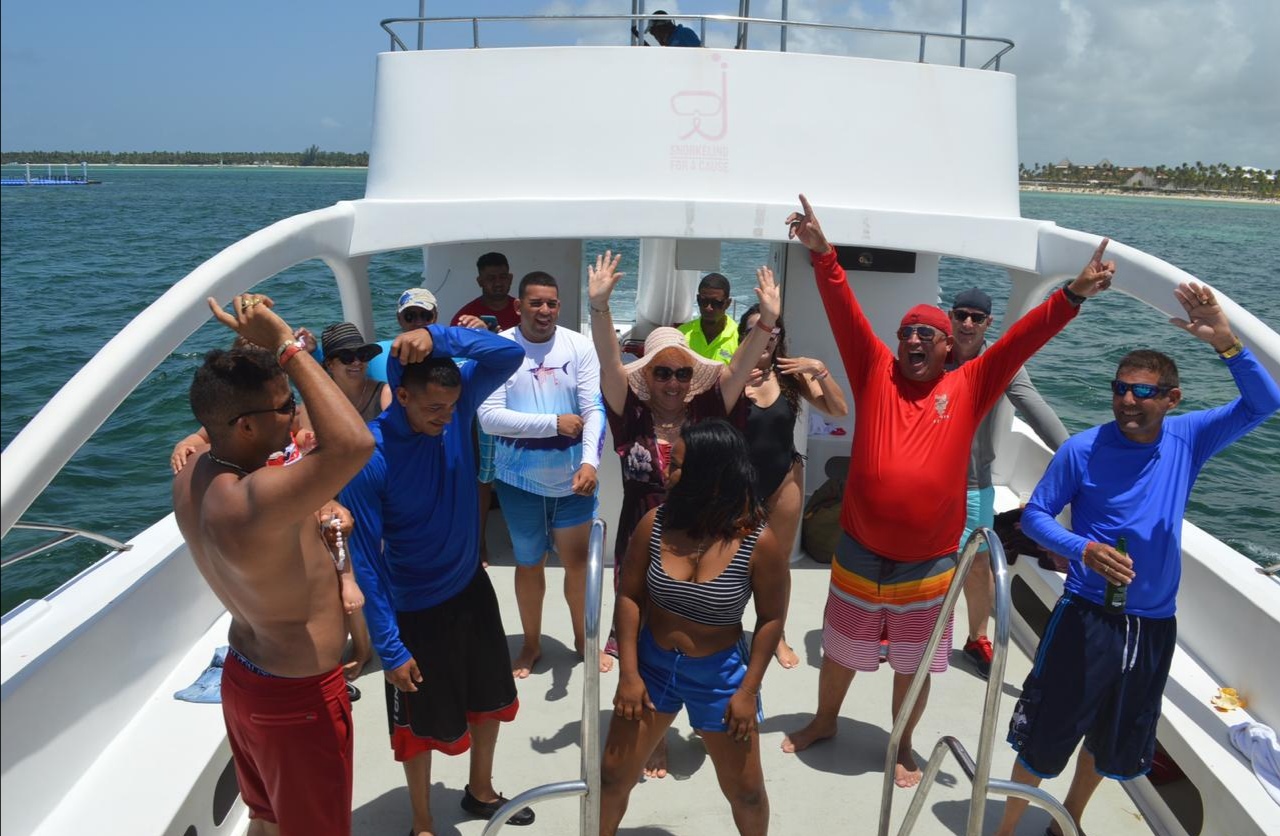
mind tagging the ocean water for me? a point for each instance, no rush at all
(76, 264)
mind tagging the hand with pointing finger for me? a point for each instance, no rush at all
(804, 227)
(1096, 275)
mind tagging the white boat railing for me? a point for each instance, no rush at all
(979, 772)
(65, 533)
(587, 784)
(1000, 45)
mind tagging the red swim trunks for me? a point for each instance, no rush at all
(292, 740)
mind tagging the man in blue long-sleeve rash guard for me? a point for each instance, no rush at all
(1100, 673)
(432, 612)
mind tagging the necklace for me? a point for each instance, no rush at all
(237, 468)
(703, 545)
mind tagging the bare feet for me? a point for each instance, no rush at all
(429, 830)
(606, 662)
(656, 766)
(785, 655)
(906, 773)
(818, 729)
(524, 663)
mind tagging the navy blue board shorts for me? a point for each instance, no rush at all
(1098, 676)
(702, 684)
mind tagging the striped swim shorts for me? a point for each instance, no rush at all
(872, 597)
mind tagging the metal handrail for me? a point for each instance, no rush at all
(66, 533)
(588, 784)
(992, 63)
(979, 772)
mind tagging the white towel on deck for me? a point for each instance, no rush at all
(1259, 745)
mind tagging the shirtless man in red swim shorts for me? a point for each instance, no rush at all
(255, 535)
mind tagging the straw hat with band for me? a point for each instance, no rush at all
(705, 372)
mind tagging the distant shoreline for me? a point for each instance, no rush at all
(1218, 198)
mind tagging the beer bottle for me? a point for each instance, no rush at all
(1117, 593)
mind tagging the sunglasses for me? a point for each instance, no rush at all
(924, 332)
(714, 304)
(664, 373)
(289, 407)
(1141, 391)
(412, 315)
(347, 356)
(976, 316)
(549, 304)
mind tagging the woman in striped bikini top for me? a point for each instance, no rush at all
(690, 569)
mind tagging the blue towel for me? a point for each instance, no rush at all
(208, 687)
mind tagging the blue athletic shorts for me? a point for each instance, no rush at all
(531, 518)
(702, 684)
(1098, 676)
(484, 461)
(980, 512)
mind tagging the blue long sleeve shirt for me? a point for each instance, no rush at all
(1117, 488)
(416, 509)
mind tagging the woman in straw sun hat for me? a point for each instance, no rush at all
(648, 400)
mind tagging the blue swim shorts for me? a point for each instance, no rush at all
(1098, 676)
(531, 518)
(702, 684)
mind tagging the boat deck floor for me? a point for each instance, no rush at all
(834, 783)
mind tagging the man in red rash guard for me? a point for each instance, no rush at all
(904, 499)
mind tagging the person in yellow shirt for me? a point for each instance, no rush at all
(712, 335)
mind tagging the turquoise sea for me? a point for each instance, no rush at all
(77, 263)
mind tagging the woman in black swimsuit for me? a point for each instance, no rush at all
(692, 566)
(775, 390)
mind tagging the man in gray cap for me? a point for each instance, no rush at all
(970, 318)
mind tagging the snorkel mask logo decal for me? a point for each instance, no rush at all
(703, 119)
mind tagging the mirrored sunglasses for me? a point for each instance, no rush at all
(1141, 391)
(714, 304)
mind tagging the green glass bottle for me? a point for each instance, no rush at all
(1117, 593)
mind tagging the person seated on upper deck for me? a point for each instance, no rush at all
(712, 334)
(493, 274)
(692, 565)
(970, 319)
(903, 506)
(1101, 667)
(669, 33)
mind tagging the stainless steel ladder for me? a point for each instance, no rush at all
(588, 783)
(64, 534)
(979, 773)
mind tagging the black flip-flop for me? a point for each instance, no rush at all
(352, 691)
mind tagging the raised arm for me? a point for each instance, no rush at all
(994, 369)
(1259, 394)
(733, 378)
(855, 339)
(278, 495)
(601, 280)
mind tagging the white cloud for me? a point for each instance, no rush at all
(329, 122)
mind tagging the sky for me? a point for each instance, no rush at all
(1132, 81)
